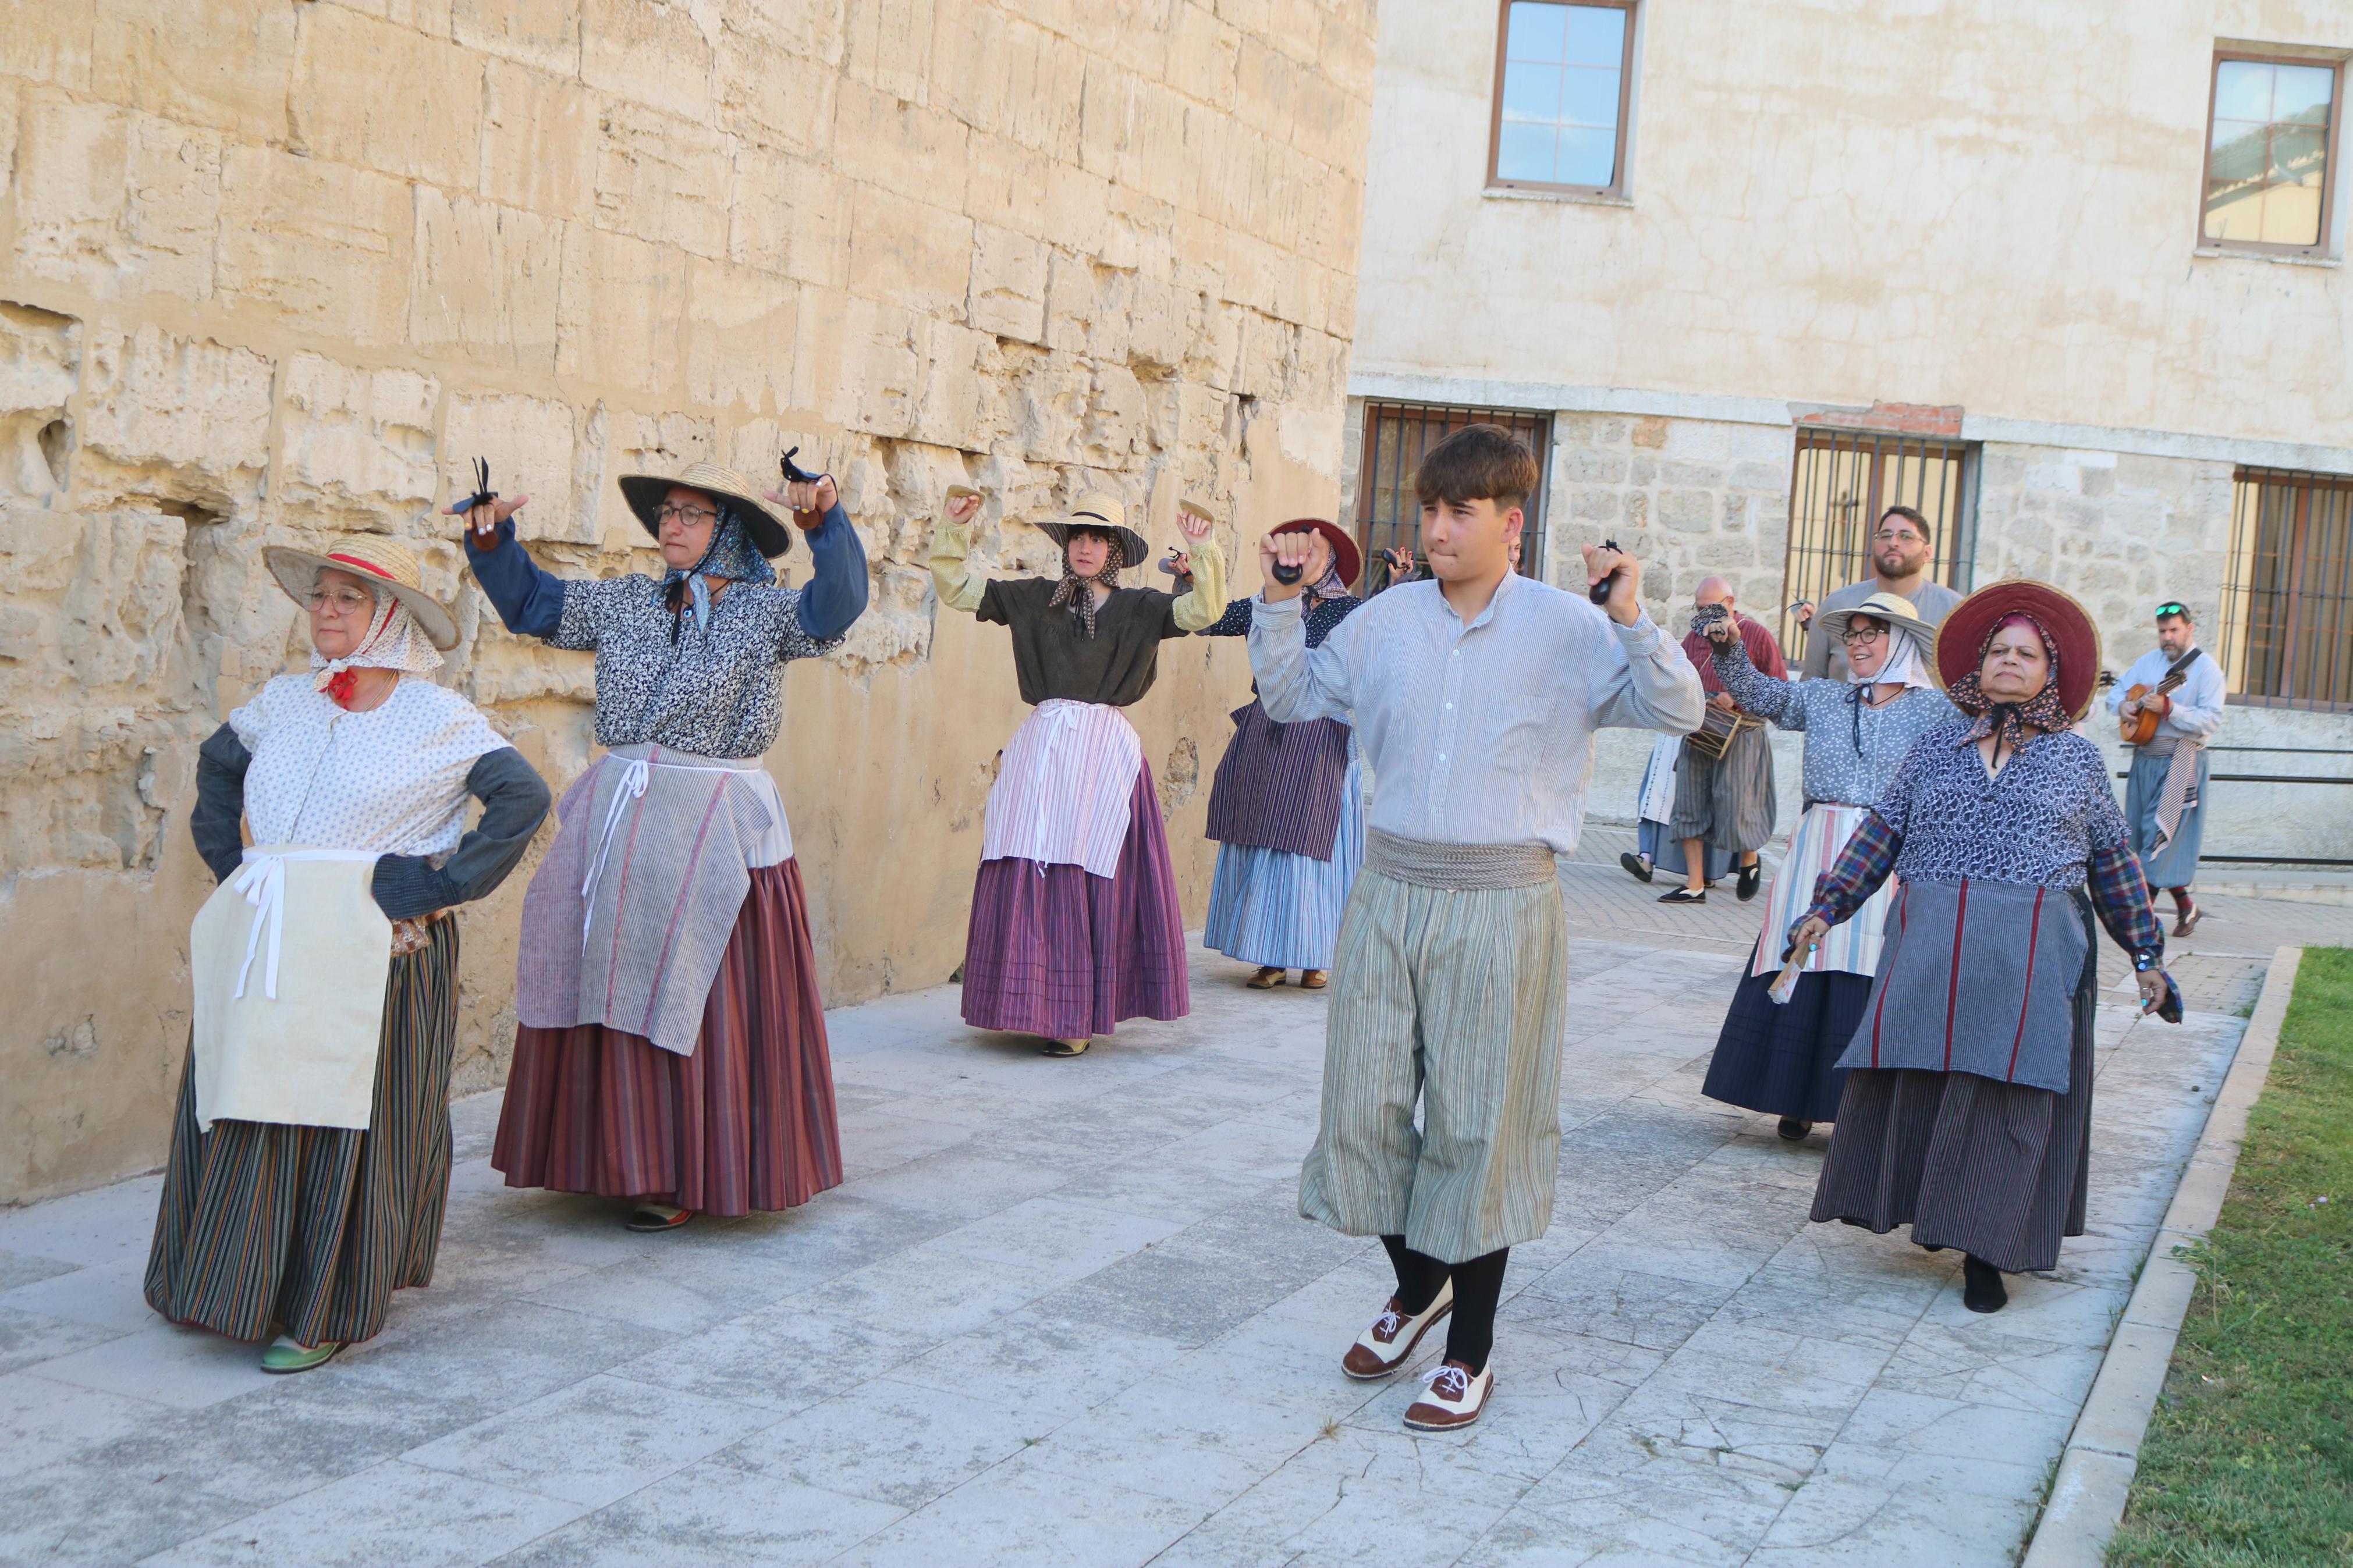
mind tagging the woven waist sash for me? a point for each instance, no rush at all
(1457, 867)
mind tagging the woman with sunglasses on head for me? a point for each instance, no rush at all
(1075, 924)
(1781, 1058)
(1968, 1108)
(670, 1048)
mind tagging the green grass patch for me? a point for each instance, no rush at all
(2249, 1460)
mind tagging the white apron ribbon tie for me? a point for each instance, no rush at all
(262, 880)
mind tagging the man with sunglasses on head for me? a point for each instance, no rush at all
(2165, 803)
(1902, 549)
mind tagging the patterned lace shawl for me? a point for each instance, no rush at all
(2011, 721)
(395, 641)
(729, 558)
(1072, 589)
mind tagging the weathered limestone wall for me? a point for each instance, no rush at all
(271, 270)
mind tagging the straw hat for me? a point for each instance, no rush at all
(645, 492)
(1964, 631)
(1900, 614)
(375, 560)
(1345, 556)
(1099, 513)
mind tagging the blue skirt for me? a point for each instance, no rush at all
(1283, 911)
(2177, 865)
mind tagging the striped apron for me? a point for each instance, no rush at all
(1062, 796)
(1852, 945)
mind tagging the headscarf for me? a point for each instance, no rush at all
(2008, 722)
(1329, 586)
(1072, 589)
(394, 641)
(1904, 667)
(731, 557)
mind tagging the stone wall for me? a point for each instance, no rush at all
(273, 270)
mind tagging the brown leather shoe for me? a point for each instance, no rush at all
(1453, 1400)
(2185, 918)
(1390, 1342)
(1314, 979)
(1267, 978)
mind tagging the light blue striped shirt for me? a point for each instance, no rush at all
(1483, 733)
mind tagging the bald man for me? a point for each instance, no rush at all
(1725, 803)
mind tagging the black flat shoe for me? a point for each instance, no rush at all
(1794, 1129)
(1751, 879)
(1636, 867)
(1683, 896)
(1981, 1286)
(655, 1217)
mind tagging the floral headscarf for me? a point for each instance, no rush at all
(2010, 723)
(394, 641)
(731, 557)
(1073, 590)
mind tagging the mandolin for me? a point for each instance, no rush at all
(2141, 727)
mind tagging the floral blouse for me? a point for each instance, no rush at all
(1852, 749)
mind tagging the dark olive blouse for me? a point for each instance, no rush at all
(1053, 657)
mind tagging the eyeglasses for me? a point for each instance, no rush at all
(1853, 635)
(342, 601)
(693, 516)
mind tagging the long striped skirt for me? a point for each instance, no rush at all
(745, 1122)
(1782, 1058)
(2001, 1171)
(1053, 951)
(313, 1228)
(1283, 911)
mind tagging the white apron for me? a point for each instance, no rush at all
(1852, 945)
(289, 958)
(1062, 796)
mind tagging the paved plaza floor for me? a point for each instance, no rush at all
(1065, 1312)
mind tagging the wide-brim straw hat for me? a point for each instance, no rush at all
(1963, 634)
(768, 531)
(375, 560)
(1345, 556)
(1099, 513)
(1901, 617)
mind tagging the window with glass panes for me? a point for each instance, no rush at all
(2287, 597)
(2270, 145)
(1563, 81)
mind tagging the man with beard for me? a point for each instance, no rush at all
(1903, 548)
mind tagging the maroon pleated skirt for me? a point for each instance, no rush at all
(1055, 951)
(744, 1123)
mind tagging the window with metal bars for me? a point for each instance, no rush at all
(2287, 595)
(1388, 516)
(1842, 484)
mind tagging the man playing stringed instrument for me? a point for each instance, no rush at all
(2168, 705)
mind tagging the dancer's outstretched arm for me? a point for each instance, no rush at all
(951, 540)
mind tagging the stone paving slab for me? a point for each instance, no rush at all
(1065, 1312)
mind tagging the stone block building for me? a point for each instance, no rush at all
(2070, 276)
(274, 269)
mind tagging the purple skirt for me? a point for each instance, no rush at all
(1052, 951)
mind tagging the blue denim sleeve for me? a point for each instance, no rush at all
(529, 600)
(835, 595)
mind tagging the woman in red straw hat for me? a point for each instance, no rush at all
(1287, 806)
(1968, 1110)
(670, 1045)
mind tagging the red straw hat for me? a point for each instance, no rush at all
(1345, 556)
(1961, 639)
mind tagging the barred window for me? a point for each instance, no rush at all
(1388, 516)
(1842, 483)
(2287, 600)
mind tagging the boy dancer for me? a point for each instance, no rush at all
(1475, 697)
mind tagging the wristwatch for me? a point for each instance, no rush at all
(2147, 959)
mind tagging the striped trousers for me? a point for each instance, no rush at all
(1458, 1000)
(314, 1227)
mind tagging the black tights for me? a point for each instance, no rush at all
(1478, 1287)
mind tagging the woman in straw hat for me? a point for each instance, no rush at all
(1968, 1110)
(1782, 1058)
(671, 1046)
(1287, 806)
(310, 1157)
(1075, 924)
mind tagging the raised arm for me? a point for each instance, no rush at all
(1234, 622)
(213, 821)
(1654, 688)
(951, 542)
(514, 802)
(1294, 681)
(1756, 691)
(528, 599)
(1201, 605)
(835, 595)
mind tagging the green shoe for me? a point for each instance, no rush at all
(285, 1355)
